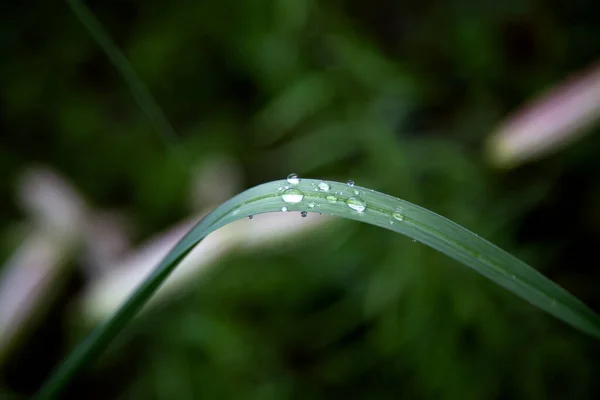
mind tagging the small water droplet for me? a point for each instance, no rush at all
(391, 222)
(356, 192)
(293, 179)
(311, 204)
(357, 204)
(292, 196)
(331, 198)
(303, 214)
(250, 216)
(280, 188)
(398, 214)
(323, 186)
(350, 183)
(284, 208)
(414, 240)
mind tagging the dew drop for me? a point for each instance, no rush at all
(323, 186)
(293, 179)
(280, 188)
(350, 183)
(250, 216)
(356, 192)
(398, 214)
(391, 222)
(284, 208)
(292, 196)
(311, 204)
(331, 198)
(303, 214)
(357, 204)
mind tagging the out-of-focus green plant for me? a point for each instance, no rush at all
(346, 320)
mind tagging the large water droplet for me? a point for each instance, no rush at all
(331, 198)
(292, 196)
(293, 179)
(284, 208)
(303, 214)
(398, 214)
(350, 183)
(357, 204)
(324, 186)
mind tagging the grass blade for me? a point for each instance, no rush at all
(138, 89)
(381, 210)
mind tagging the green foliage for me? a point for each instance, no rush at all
(352, 202)
(405, 94)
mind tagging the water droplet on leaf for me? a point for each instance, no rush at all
(398, 214)
(292, 196)
(324, 186)
(293, 179)
(284, 208)
(350, 183)
(311, 204)
(303, 214)
(357, 204)
(331, 198)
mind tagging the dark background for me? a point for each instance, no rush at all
(399, 96)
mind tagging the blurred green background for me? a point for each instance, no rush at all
(400, 97)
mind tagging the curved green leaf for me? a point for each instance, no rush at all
(380, 209)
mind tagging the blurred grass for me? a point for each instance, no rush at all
(415, 88)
